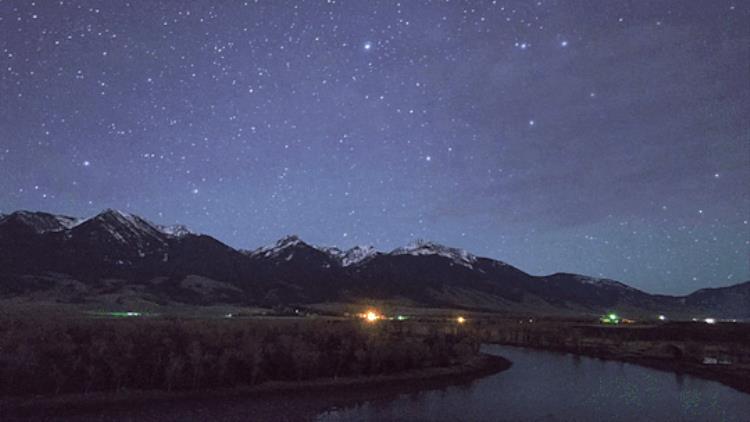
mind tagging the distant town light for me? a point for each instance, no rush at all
(610, 318)
(123, 314)
(662, 318)
(710, 321)
(461, 320)
(371, 316)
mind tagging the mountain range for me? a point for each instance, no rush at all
(120, 254)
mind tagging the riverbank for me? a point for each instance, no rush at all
(737, 378)
(718, 353)
(102, 404)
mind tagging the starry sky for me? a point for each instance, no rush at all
(608, 138)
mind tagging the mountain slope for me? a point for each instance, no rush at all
(120, 253)
(734, 301)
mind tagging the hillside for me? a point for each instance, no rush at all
(125, 257)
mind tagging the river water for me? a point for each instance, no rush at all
(540, 386)
(547, 386)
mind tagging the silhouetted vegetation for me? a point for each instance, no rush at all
(80, 356)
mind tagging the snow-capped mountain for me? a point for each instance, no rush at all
(599, 281)
(357, 255)
(422, 247)
(352, 256)
(281, 246)
(116, 245)
(286, 247)
(120, 227)
(175, 230)
(333, 252)
(39, 222)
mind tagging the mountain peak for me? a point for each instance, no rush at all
(425, 247)
(132, 220)
(123, 227)
(175, 230)
(289, 240)
(40, 222)
(114, 213)
(280, 245)
(358, 254)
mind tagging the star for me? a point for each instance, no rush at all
(237, 100)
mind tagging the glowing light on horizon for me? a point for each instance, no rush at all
(371, 316)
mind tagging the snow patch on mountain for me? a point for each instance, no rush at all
(41, 222)
(332, 251)
(349, 257)
(177, 230)
(602, 282)
(358, 254)
(421, 247)
(278, 248)
(125, 228)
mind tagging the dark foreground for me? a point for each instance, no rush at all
(268, 401)
(43, 357)
(300, 369)
(540, 385)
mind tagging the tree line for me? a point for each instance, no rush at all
(82, 355)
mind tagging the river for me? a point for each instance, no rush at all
(540, 386)
(547, 386)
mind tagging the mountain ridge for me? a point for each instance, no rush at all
(114, 245)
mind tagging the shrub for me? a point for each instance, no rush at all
(80, 355)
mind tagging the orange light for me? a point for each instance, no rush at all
(461, 320)
(371, 316)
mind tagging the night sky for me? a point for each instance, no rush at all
(609, 138)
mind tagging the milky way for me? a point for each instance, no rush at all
(605, 138)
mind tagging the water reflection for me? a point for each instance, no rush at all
(543, 386)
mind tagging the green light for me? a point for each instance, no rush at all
(613, 317)
(124, 314)
(401, 318)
